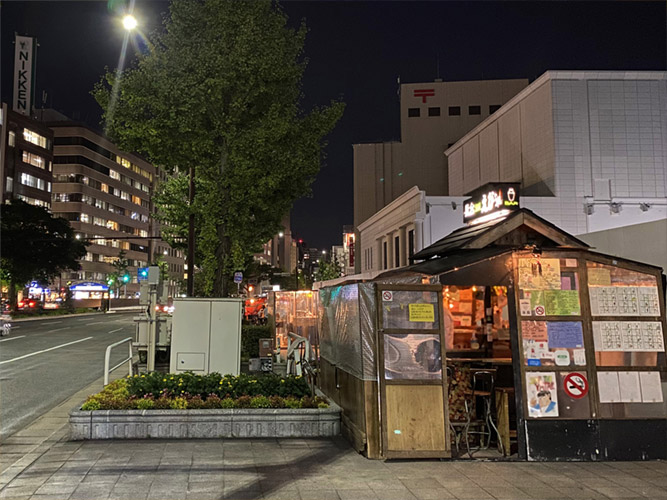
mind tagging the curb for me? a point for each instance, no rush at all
(62, 316)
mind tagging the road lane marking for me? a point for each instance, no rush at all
(116, 330)
(44, 350)
(58, 329)
(15, 327)
(13, 338)
(55, 322)
(96, 323)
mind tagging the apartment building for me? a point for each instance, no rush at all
(26, 156)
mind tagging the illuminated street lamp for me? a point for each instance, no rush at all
(129, 22)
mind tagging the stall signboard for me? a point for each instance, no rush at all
(491, 201)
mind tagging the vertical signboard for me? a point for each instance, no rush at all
(24, 58)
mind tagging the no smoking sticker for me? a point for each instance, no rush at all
(575, 385)
(539, 310)
(387, 296)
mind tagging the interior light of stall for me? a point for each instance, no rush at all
(474, 288)
(451, 306)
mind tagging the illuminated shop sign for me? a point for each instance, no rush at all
(491, 201)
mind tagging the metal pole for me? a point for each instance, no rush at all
(152, 330)
(191, 236)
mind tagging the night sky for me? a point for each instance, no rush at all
(357, 50)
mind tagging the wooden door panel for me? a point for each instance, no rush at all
(415, 419)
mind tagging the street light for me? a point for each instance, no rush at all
(129, 22)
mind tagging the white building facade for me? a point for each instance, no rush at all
(408, 224)
(590, 151)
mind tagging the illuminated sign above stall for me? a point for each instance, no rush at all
(491, 201)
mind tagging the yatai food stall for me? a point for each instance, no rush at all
(510, 331)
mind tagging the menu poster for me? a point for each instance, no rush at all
(541, 394)
(651, 387)
(599, 276)
(629, 336)
(649, 302)
(562, 303)
(608, 388)
(624, 301)
(465, 294)
(534, 330)
(539, 274)
(628, 384)
(565, 334)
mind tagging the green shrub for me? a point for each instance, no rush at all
(212, 401)
(277, 402)
(144, 404)
(178, 403)
(162, 403)
(250, 335)
(260, 402)
(227, 403)
(91, 405)
(322, 405)
(292, 403)
(243, 402)
(195, 403)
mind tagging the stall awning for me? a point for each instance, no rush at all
(490, 233)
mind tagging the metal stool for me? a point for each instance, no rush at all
(482, 388)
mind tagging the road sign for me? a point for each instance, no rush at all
(387, 296)
(575, 385)
(238, 277)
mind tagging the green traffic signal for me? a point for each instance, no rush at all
(126, 278)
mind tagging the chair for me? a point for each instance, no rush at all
(482, 389)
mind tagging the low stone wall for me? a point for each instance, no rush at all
(187, 424)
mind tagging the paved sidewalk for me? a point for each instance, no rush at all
(313, 469)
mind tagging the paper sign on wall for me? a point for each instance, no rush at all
(534, 330)
(541, 394)
(562, 303)
(539, 274)
(599, 276)
(421, 313)
(565, 334)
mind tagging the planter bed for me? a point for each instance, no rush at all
(218, 423)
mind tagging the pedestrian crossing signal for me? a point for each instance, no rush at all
(142, 273)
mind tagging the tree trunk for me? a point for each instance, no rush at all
(220, 285)
(12, 295)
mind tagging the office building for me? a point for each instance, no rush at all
(590, 151)
(26, 156)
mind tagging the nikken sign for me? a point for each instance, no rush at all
(23, 73)
(491, 201)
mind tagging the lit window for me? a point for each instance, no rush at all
(85, 218)
(33, 159)
(9, 185)
(124, 195)
(34, 138)
(136, 200)
(104, 188)
(114, 175)
(12, 138)
(112, 225)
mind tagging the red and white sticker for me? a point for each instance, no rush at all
(575, 385)
(387, 296)
(539, 310)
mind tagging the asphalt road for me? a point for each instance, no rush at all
(44, 362)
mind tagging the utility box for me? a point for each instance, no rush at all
(265, 348)
(206, 336)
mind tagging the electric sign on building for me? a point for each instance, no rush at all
(24, 65)
(491, 201)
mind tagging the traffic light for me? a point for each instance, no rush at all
(126, 278)
(110, 281)
(142, 273)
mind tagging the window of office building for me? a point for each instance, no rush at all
(397, 251)
(114, 175)
(413, 112)
(12, 138)
(34, 201)
(455, 111)
(33, 159)
(136, 200)
(98, 221)
(493, 108)
(34, 138)
(84, 218)
(434, 111)
(474, 110)
(9, 185)
(34, 182)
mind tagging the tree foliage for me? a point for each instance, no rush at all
(35, 245)
(220, 91)
(327, 271)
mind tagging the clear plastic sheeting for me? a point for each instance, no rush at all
(367, 322)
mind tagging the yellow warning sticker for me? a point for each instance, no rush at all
(422, 312)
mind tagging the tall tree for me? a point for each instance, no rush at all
(35, 245)
(220, 90)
